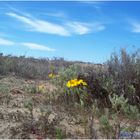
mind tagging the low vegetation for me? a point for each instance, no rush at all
(60, 99)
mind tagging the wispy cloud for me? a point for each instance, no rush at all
(63, 29)
(41, 25)
(135, 27)
(57, 14)
(35, 46)
(85, 28)
(78, 28)
(6, 42)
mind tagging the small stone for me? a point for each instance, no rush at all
(129, 135)
(137, 135)
(51, 118)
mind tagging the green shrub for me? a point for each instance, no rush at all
(59, 134)
(124, 68)
(66, 74)
(105, 127)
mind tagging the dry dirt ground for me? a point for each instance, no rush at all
(28, 114)
(17, 121)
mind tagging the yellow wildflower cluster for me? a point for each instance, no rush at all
(42, 88)
(76, 82)
(51, 75)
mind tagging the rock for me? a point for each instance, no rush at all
(129, 135)
(137, 135)
(51, 117)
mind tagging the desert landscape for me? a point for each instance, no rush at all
(69, 69)
(42, 99)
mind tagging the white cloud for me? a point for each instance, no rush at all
(66, 29)
(135, 27)
(78, 28)
(57, 14)
(84, 28)
(40, 25)
(6, 42)
(98, 27)
(35, 46)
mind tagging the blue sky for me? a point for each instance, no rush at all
(76, 30)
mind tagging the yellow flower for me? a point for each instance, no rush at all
(51, 75)
(42, 88)
(72, 83)
(80, 81)
(76, 82)
(84, 83)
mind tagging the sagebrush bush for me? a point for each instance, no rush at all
(30, 68)
(125, 72)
